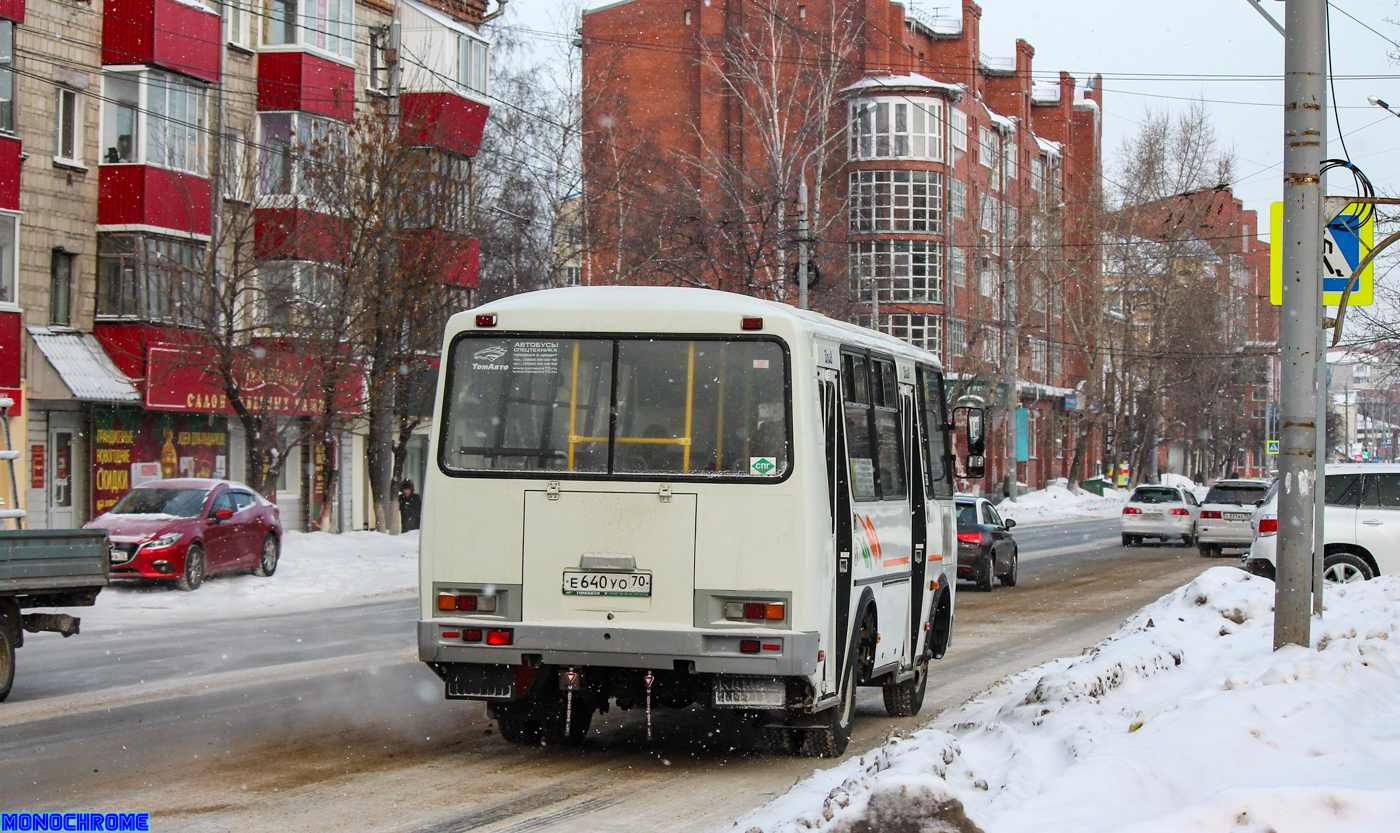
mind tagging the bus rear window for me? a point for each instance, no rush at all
(683, 407)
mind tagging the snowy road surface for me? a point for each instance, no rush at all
(321, 718)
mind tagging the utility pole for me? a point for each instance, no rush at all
(1305, 80)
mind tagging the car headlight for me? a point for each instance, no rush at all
(169, 539)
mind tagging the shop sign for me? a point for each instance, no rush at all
(36, 466)
(282, 383)
(131, 447)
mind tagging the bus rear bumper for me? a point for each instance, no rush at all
(780, 653)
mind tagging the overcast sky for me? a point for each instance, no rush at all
(1165, 54)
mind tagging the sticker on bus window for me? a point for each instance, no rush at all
(760, 364)
(763, 466)
(535, 357)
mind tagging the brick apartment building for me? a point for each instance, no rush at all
(1210, 234)
(954, 197)
(117, 118)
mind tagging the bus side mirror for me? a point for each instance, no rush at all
(975, 434)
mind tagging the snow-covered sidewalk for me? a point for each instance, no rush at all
(1183, 720)
(1057, 503)
(316, 570)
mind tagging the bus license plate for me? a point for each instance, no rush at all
(588, 583)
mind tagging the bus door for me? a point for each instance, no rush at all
(881, 552)
(918, 484)
(839, 502)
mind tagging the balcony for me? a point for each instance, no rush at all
(180, 37)
(133, 197)
(306, 82)
(443, 120)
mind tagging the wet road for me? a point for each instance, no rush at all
(324, 720)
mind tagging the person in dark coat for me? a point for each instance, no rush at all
(410, 506)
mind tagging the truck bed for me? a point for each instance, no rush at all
(40, 562)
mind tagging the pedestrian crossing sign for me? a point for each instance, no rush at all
(1345, 241)
(1273, 447)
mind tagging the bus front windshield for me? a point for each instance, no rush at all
(631, 406)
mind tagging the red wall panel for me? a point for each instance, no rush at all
(146, 195)
(11, 149)
(12, 10)
(9, 349)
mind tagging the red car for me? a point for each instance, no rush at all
(188, 528)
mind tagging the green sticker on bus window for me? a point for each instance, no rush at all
(763, 465)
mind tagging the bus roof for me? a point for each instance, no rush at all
(614, 308)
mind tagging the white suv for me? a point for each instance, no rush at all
(1361, 524)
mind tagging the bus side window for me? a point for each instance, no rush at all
(859, 442)
(885, 392)
(935, 415)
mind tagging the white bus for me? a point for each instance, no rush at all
(649, 496)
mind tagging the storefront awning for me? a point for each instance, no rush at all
(82, 365)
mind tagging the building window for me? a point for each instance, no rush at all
(61, 288)
(326, 25)
(987, 277)
(957, 265)
(473, 64)
(296, 150)
(1260, 413)
(1040, 354)
(957, 130)
(1009, 162)
(957, 337)
(902, 270)
(923, 331)
(238, 20)
(991, 344)
(957, 207)
(897, 128)
(1038, 174)
(235, 168)
(150, 278)
(1032, 434)
(7, 76)
(1056, 361)
(68, 127)
(9, 253)
(168, 132)
(573, 276)
(896, 201)
(292, 293)
(988, 148)
(377, 79)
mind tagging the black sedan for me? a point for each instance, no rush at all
(986, 550)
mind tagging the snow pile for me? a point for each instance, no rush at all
(316, 569)
(1056, 502)
(1183, 720)
(1169, 479)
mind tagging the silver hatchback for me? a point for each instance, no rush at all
(1225, 512)
(1167, 513)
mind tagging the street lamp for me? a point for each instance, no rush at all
(803, 227)
(1377, 102)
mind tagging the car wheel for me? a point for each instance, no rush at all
(194, 569)
(831, 740)
(1008, 578)
(1208, 551)
(907, 698)
(267, 563)
(1188, 540)
(986, 579)
(7, 658)
(1344, 568)
(1128, 540)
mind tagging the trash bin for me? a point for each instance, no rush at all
(1096, 485)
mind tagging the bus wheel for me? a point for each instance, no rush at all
(519, 730)
(907, 698)
(7, 657)
(781, 740)
(831, 740)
